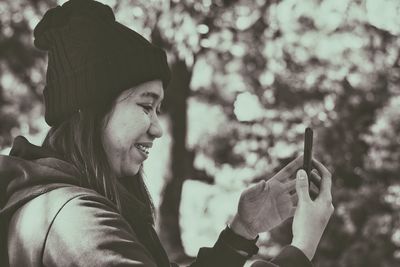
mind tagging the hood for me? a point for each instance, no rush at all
(25, 172)
(31, 170)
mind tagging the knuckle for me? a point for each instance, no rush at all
(327, 202)
(303, 185)
(331, 209)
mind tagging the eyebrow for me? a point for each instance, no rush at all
(151, 95)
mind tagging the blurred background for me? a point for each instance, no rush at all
(248, 77)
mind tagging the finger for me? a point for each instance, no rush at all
(326, 182)
(320, 167)
(294, 199)
(259, 186)
(315, 178)
(290, 169)
(254, 190)
(315, 184)
(290, 186)
(302, 186)
(314, 191)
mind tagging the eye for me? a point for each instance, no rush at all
(147, 108)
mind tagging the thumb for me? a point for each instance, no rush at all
(302, 186)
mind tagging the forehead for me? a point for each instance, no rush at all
(152, 90)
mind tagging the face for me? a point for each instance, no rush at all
(131, 127)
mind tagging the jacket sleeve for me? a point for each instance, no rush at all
(291, 256)
(222, 254)
(87, 231)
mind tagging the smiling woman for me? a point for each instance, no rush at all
(80, 199)
(135, 116)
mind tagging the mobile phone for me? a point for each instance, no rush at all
(308, 143)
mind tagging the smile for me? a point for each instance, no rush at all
(142, 148)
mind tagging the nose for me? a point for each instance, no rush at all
(155, 129)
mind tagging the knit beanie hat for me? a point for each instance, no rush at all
(92, 58)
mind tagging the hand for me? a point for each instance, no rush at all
(311, 217)
(267, 204)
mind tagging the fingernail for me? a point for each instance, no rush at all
(301, 174)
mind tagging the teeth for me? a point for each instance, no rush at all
(143, 148)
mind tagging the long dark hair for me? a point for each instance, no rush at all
(78, 140)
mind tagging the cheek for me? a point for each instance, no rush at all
(127, 128)
(113, 135)
(135, 123)
(112, 143)
(126, 125)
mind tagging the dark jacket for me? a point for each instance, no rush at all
(47, 219)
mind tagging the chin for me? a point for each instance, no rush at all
(133, 170)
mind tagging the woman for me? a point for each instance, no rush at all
(80, 199)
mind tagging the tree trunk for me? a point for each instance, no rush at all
(176, 105)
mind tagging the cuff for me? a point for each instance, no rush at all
(230, 250)
(239, 243)
(291, 256)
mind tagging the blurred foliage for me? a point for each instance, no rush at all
(262, 72)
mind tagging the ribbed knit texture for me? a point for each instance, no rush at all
(92, 58)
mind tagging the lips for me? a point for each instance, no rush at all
(144, 147)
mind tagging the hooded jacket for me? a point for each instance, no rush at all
(48, 219)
